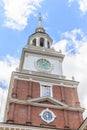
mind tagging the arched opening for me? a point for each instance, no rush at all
(42, 42)
(34, 42)
(48, 44)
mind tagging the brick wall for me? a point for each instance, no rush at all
(24, 114)
(25, 89)
(66, 95)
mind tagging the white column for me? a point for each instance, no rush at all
(45, 43)
(49, 45)
(31, 42)
(38, 41)
(60, 67)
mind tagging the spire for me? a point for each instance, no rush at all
(40, 28)
(39, 20)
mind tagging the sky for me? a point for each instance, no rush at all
(64, 20)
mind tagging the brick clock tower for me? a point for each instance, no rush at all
(40, 96)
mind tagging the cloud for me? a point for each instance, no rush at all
(82, 5)
(71, 41)
(3, 98)
(70, 2)
(75, 64)
(7, 65)
(17, 12)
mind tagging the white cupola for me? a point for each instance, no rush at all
(40, 37)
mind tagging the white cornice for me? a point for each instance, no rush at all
(54, 79)
(27, 102)
(43, 51)
(50, 99)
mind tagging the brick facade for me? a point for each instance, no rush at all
(28, 114)
(27, 89)
(23, 114)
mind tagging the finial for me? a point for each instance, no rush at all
(40, 28)
(40, 20)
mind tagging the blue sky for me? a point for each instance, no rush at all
(64, 20)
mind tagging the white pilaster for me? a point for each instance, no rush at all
(45, 44)
(38, 41)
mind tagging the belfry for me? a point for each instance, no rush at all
(40, 97)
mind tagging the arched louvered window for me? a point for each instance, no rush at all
(34, 42)
(42, 42)
(48, 44)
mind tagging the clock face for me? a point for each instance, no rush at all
(43, 64)
(47, 115)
